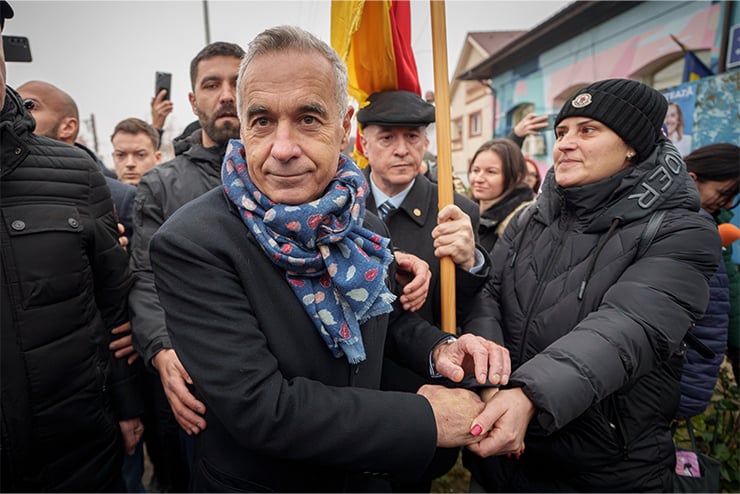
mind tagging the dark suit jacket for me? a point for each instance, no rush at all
(282, 412)
(411, 228)
(123, 198)
(122, 194)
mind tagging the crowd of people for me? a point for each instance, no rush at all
(261, 314)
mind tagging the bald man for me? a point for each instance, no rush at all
(57, 117)
(54, 110)
(63, 286)
(56, 114)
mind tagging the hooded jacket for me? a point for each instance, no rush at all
(161, 191)
(594, 326)
(65, 280)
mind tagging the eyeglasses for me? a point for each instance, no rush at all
(29, 104)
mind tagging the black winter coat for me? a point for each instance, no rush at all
(283, 413)
(594, 329)
(411, 228)
(122, 194)
(65, 280)
(161, 192)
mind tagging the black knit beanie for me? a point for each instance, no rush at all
(632, 109)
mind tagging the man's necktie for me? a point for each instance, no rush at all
(385, 208)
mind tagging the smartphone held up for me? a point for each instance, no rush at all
(163, 80)
(16, 49)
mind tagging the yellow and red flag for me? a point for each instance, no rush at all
(374, 39)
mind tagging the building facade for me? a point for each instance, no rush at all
(589, 41)
(471, 102)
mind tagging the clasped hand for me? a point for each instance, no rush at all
(493, 425)
(505, 419)
(472, 355)
(456, 409)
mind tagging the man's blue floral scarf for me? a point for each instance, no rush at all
(336, 267)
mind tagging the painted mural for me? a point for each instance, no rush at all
(704, 112)
(717, 110)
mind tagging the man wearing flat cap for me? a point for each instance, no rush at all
(394, 138)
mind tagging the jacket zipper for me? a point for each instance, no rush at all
(616, 426)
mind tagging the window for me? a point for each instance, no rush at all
(475, 124)
(457, 130)
(457, 134)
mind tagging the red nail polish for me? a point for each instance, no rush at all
(476, 430)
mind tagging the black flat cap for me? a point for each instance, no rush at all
(396, 109)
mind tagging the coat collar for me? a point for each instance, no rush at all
(417, 203)
(16, 124)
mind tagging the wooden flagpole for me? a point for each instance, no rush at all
(444, 153)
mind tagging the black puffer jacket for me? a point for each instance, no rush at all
(162, 191)
(65, 280)
(594, 328)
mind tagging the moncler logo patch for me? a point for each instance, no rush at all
(581, 100)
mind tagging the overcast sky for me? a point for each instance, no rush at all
(105, 53)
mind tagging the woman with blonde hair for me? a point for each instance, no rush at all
(675, 128)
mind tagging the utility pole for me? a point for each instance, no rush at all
(94, 133)
(206, 23)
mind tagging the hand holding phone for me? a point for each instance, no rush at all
(531, 124)
(161, 106)
(551, 121)
(162, 80)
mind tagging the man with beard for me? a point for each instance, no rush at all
(161, 191)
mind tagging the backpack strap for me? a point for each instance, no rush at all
(694, 342)
(648, 234)
(647, 237)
